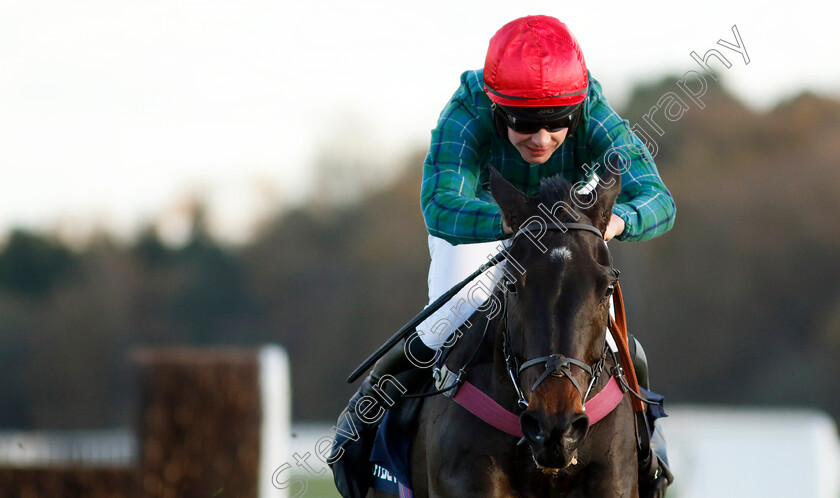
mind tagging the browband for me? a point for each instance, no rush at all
(563, 227)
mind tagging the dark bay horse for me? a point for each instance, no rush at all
(555, 312)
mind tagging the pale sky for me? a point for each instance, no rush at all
(115, 112)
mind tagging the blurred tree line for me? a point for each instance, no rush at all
(737, 304)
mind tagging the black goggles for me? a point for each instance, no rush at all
(531, 125)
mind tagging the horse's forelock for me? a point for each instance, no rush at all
(555, 189)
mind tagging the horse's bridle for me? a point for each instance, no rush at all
(556, 365)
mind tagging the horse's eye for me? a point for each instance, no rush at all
(610, 290)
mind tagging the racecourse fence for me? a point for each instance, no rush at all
(92, 448)
(212, 423)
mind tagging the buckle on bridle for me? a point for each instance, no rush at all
(447, 380)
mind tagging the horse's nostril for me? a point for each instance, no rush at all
(538, 430)
(531, 427)
(577, 429)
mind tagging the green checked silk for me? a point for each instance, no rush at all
(455, 198)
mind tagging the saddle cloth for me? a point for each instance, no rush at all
(390, 459)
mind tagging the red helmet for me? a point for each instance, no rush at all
(535, 61)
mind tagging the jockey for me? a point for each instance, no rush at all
(534, 111)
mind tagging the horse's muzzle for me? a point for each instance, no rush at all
(554, 438)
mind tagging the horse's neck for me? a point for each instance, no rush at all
(483, 350)
(474, 344)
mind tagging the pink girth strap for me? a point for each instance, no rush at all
(485, 408)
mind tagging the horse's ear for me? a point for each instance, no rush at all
(606, 192)
(514, 203)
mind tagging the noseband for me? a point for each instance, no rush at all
(556, 365)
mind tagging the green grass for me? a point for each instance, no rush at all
(321, 488)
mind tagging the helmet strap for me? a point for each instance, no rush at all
(575, 122)
(498, 121)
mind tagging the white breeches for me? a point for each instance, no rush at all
(451, 264)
